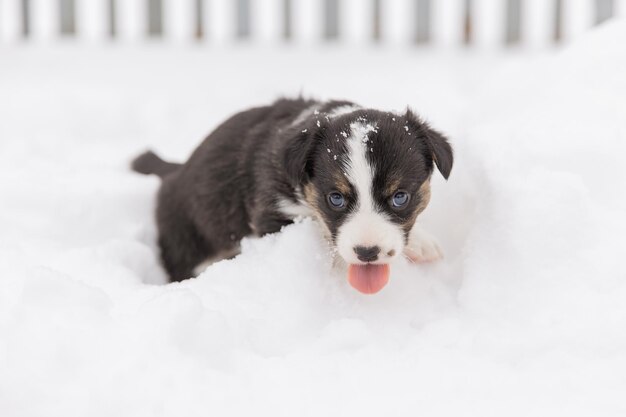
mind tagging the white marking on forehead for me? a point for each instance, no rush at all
(359, 171)
(367, 225)
(341, 110)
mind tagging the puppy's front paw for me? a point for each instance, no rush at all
(423, 248)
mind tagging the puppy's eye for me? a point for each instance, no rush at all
(336, 200)
(399, 199)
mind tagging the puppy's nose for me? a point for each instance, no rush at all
(367, 253)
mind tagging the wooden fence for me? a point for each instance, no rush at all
(438, 23)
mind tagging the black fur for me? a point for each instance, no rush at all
(150, 163)
(232, 184)
(437, 144)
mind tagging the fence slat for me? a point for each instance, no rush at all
(132, 19)
(268, 20)
(356, 21)
(45, 19)
(447, 22)
(398, 19)
(578, 16)
(10, 20)
(179, 20)
(538, 23)
(222, 21)
(488, 23)
(307, 20)
(92, 19)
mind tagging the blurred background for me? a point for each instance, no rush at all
(417, 22)
(164, 72)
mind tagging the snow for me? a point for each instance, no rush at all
(525, 316)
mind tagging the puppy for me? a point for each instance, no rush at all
(363, 174)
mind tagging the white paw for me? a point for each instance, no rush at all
(422, 248)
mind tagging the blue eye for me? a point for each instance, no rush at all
(399, 199)
(336, 200)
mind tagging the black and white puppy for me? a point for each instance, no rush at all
(363, 174)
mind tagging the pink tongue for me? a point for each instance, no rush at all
(369, 278)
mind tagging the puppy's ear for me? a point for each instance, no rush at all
(437, 144)
(298, 155)
(441, 151)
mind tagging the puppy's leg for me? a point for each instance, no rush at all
(182, 246)
(422, 246)
(182, 249)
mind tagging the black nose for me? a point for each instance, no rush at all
(367, 253)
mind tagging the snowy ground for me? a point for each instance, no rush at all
(526, 316)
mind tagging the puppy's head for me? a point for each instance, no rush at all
(366, 175)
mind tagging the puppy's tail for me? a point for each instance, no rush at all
(150, 163)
